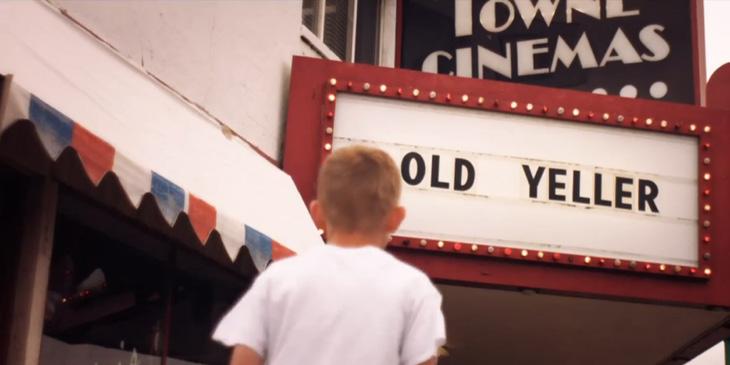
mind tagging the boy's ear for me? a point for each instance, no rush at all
(315, 209)
(395, 219)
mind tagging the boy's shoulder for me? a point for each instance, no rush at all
(296, 262)
(318, 266)
(376, 258)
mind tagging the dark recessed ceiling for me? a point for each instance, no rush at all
(489, 326)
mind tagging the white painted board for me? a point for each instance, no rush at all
(657, 219)
(64, 66)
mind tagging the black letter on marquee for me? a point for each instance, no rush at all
(458, 184)
(621, 193)
(554, 185)
(405, 168)
(435, 183)
(533, 180)
(648, 197)
(597, 182)
(576, 190)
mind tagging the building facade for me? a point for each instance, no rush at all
(197, 94)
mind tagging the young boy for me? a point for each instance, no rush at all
(349, 302)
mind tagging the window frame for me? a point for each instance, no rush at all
(316, 38)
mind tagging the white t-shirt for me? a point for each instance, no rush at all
(338, 306)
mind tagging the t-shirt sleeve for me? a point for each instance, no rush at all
(425, 329)
(245, 323)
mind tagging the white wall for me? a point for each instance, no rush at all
(717, 31)
(233, 57)
(230, 57)
(151, 129)
(713, 356)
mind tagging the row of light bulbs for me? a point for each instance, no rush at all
(575, 112)
(555, 256)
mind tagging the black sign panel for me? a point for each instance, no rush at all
(633, 48)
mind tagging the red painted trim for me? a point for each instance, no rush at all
(279, 251)
(718, 88)
(202, 217)
(697, 14)
(307, 138)
(302, 139)
(332, 88)
(398, 33)
(547, 257)
(96, 154)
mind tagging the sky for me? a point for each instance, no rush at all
(717, 53)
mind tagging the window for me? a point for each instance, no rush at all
(348, 28)
(112, 302)
(105, 302)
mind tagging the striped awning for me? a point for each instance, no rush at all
(100, 159)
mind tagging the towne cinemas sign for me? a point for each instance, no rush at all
(633, 48)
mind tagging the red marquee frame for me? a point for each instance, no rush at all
(315, 85)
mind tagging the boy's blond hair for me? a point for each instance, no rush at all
(358, 187)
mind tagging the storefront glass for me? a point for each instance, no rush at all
(109, 303)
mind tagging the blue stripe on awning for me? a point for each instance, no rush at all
(259, 246)
(170, 197)
(55, 129)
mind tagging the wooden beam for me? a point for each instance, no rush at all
(11, 188)
(5, 81)
(36, 248)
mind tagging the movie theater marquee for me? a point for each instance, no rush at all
(577, 44)
(525, 182)
(521, 186)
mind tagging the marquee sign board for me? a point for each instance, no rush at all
(544, 188)
(635, 48)
(489, 178)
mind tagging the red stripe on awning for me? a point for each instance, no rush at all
(202, 217)
(279, 251)
(96, 154)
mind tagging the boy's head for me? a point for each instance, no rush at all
(358, 191)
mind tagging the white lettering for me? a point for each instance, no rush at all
(488, 16)
(620, 49)
(566, 55)
(528, 11)
(462, 18)
(615, 9)
(495, 61)
(463, 62)
(431, 63)
(588, 7)
(532, 54)
(526, 51)
(657, 45)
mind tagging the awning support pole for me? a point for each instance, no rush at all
(34, 260)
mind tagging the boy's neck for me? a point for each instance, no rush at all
(356, 239)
